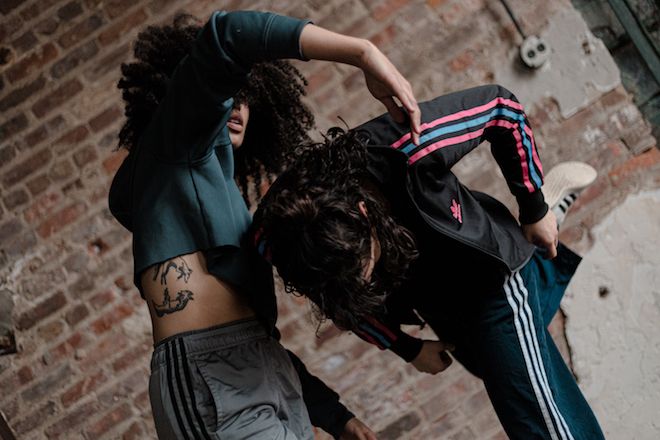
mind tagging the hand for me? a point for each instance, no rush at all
(385, 82)
(544, 234)
(356, 430)
(433, 357)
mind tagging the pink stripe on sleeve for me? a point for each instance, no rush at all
(370, 339)
(475, 134)
(382, 328)
(459, 115)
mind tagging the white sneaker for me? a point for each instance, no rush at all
(563, 183)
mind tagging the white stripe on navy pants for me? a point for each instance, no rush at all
(502, 337)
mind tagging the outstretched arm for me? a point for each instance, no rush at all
(383, 79)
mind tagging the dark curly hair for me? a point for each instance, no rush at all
(310, 226)
(279, 120)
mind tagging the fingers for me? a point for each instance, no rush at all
(394, 110)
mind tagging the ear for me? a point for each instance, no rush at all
(363, 208)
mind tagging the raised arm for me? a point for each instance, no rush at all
(383, 79)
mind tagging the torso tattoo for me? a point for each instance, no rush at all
(170, 305)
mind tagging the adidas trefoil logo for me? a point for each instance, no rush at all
(456, 211)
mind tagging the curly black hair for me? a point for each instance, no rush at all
(279, 120)
(315, 234)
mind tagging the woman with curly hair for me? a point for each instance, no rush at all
(205, 106)
(378, 232)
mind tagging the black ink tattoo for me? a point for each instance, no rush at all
(170, 306)
(182, 268)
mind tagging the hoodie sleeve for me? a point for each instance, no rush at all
(455, 124)
(325, 410)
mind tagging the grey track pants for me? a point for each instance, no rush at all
(229, 382)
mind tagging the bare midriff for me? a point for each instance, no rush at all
(182, 296)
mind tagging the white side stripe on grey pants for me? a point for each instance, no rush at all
(517, 297)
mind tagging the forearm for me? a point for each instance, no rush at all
(317, 43)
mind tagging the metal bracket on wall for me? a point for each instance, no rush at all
(534, 51)
(7, 344)
(639, 35)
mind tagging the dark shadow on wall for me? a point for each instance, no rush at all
(636, 76)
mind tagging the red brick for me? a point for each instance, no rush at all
(630, 168)
(460, 12)
(50, 331)
(61, 219)
(320, 78)
(44, 131)
(77, 314)
(73, 59)
(448, 398)
(142, 400)
(384, 37)
(38, 59)
(388, 8)
(101, 299)
(401, 427)
(47, 384)
(47, 27)
(118, 314)
(614, 97)
(115, 8)
(61, 171)
(36, 9)
(14, 126)
(108, 64)
(8, 5)
(109, 421)
(83, 388)
(354, 81)
(638, 137)
(19, 95)
(571, 234)
(41, 311)
(135, 432)
(127, 386)
(7, 154)
(27, 167)
(104, 119)
(79, 32)
(327, 334)
(25, 375)
(609, 157)
(461, 62)
(34, 420)
(57, 98)
(16, 198)
(69, 11)
(85, 155)
(444, 423)
(38, 185)
(65, 348)
(122, 27)
(592, 193)
(42, 207)
(73, 420)
(104, 350)
(132, 357)
(434, 3)
(112, 163)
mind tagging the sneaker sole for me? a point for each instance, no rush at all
(566, 178)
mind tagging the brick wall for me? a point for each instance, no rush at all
(82, 332)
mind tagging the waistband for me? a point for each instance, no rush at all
(209, 339)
